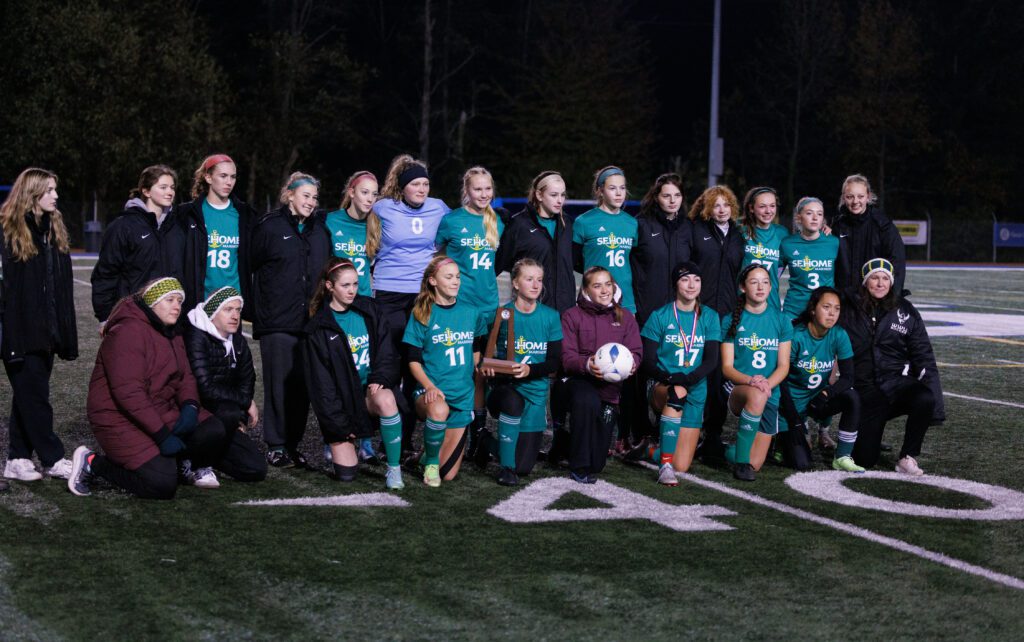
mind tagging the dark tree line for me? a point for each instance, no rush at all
(923, 97)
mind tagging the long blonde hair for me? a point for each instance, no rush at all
(398, 165)
(490, 216)
(428, 293)
(372, 220)
(538, 186)
(28, 188)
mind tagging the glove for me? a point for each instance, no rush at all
(816, 406)
(171, 446)
(187, 420)
(680, 379)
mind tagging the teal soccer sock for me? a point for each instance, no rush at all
(391, 435)
(433, 437)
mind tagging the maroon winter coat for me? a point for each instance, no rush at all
(140, 381)
(589, 326)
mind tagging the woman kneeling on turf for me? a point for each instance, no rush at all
(755, 360)
(143, 403)
(350, 380)
(681, 344)
(592, 402)
(444, 337)
(894, 366)
(520, 402)
(818, 348)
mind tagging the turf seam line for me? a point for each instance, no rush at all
(857, 531)
(983, 400)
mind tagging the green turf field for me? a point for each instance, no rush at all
(788, 566)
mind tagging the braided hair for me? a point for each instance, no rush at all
(741, 300)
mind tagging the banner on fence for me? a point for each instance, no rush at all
(913, 232)
(1008, 235)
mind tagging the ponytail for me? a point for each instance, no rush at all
(329, 273)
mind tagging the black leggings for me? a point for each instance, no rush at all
(915, 400)
(242, 459)
(591, 424)
(846, 402)
(396, 307)
(507, 400)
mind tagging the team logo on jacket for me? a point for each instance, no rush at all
(450, 338)
(219, 240)
(530, 347)
(814, 365)
(754, 342)
(612, 241)
(349, 247)
(761, 252)
(902, 316)
(476, 243)
(807, 264)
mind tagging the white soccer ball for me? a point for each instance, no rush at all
(615, 361)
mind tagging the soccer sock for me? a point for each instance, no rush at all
(745, 436)
(846, 441)
(433, 437)
(508, 435)
(730, 453)
(669, 436)
(391, 436)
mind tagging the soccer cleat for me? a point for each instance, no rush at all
(61, 469)
(81, 472)
(298, 459)
(432, 475)
(508, 477)
(205, 478)
(667, 476)
(328, 457)
(639, 451)
(825, 441)
(186, 476)
(744, 472)
(581, 478)
(393, 478)
(366, 452)
(846, 464)
(908, 466)
(21, 470)
(591, 478)
(278, 458)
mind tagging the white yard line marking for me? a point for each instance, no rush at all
(1007, 364)
(899, 545)
(1012, 342)
(1016, 363)
(983, 400)
(359, 500)
(85, 283)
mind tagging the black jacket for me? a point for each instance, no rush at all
(662, 245)
(221, 378)
(285, 266)
(862, 238)
(190, 243)
(525, 237)
(719, 259)
(334, 388)
(891, 351)
(134, 252)
(38, 299)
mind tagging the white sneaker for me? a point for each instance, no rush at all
(205, 478)
(908, 466)
(61, 469)
(667, 475)
(22, 470)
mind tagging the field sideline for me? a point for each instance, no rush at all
(809, 556)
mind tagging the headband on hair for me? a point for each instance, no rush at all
(805, 201)
(606, 174)
(212, 161)
(299, 182)
(341, 264)
(358, 177)
(412, 173)
(544, 176)
(444, 263)
(764, 190)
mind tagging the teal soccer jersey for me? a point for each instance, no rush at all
(811, 265)
(533, 332)
(811, 361)
(756, 343)
(607, 240)
(447, 345)
(461, 235)
(354, 327)
(550, 224)
(348, 241)
(223, 236)
(674, 355)
(764, 250)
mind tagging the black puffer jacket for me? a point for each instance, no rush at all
(221, 377)
(892, 349)
(38, 299)
(285, 266)
(719, 259)
(190, 241)
(334, 388)
(663, 244)
(868, 236)
(525, 237)
(134, 252)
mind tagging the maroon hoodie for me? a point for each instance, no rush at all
(587, 327)
(141, 380)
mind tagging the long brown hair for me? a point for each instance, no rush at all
(24, 197)
(704, 206)
(588, 276)
(398, 165)
(741, 299)
(490, 216)
(428, 293)
(150, 177)
(199, 185)
(649, 203)
(599, 184)
(329, 274)
(749, 220)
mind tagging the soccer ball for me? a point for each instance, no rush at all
(615, 361)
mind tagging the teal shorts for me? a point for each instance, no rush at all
(693, 407)
(456, 418)
(769, 416)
